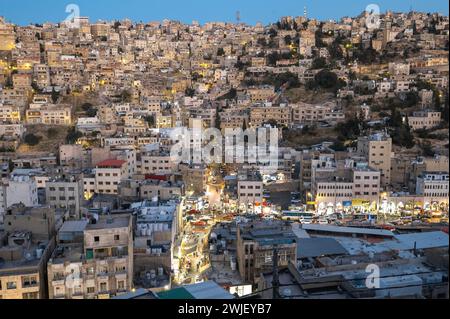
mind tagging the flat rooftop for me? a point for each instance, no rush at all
(108, 223)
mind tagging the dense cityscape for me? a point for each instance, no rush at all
(112, 188)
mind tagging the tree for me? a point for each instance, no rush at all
(52, 132)
(400, 130)
(55, 95)
(73, 135)
(126, 96)
(319, 63)
(427, 149)
(89, 109)
(327, 80)
(150, 119)
(220, 52)
(217, 121)
(32, 139)
(189, 92)
(244, 125)
(349, 130)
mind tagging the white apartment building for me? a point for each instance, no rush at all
(433, 186)
(250, 189)
(19, 189)
(108, 175)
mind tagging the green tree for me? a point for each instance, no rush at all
(319, 63)
(32, 139)
(55, 95)
(52, 132)
(150, 119)
(73, 135)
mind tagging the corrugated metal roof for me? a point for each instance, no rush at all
(177, 293)
(203, 290)
(425, 240)
(348, 230)
(71, 226)
(315, 247)
(208, 290)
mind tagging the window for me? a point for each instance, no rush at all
(103, 287)
(121, 285)
(11, 285)
(30, 295)
(116, 237)
(29, 281)
(96, 239)
(90, 290)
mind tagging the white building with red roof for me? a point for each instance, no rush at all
(108, 175)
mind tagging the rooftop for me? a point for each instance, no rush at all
(109, 222)
(203, 290)
(320, 246)
(110, 163)
(348, 230)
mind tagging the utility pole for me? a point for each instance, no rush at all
(275, 280)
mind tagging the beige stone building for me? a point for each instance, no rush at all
(108, 174)
(23, 267)
(92, 261)
(262, 114)
(255, 248)
(377, 149)
(424, 120)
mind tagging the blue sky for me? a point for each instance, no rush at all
(37, 11)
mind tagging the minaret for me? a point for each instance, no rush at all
(238, 17)
(305, 12)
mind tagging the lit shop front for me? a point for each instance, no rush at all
(346, 206)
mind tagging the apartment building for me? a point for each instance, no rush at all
(12, 130)
(92, 260)
(424, 120)
(366, 185)
(303, 113)
(260, 94)
(256, 244)
(17, 189)
(65, 193)
(156, 187)
(108, 174)
(156, 163)
(48, 114)
(281, 114)
(433, 186)
(23, 267)
(334, 193)
(9, 113)
(233, 119)
(377, 149)
(250, 188)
